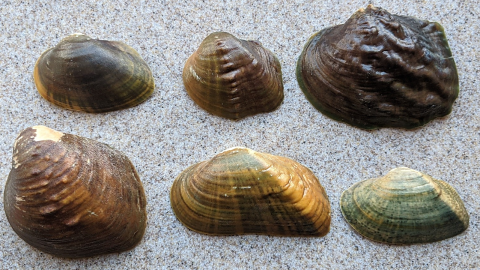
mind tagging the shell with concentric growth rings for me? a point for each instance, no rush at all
(240, 191)
(404, 207)
(92, 75)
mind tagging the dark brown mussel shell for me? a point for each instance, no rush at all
(91, 75)
(240, 191)
(380, 70)
(233, 78)
(73, 197)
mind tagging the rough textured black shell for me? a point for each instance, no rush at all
(380, 70)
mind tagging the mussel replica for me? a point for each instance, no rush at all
(404, 207)
(380, 70)
(241, 191)
(233, 78)
(73, 197)
(91, 75)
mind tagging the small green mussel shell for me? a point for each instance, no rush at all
(404, 207)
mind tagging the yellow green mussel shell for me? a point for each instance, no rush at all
(240, 191)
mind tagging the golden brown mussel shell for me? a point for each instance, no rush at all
(233, 78)
(241, 191)
(73, 197)
(91, 75)
(404, 207)
(380, 70)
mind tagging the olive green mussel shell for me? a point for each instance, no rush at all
(241, 191)
(380, 70)
(404, 207)
(91, 75)
(233, 78)
(73, 197)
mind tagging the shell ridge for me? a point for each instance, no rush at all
(454, 204)
(24, 157)
(30, 180)
(306, 210)
(71, 194)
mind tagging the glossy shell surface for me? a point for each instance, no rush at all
(91, 75)
(233, 78)
(241, 191)
(404, 207)
(380, 70)
(73, 197)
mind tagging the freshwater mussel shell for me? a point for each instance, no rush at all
(91, 75)
(233, 78)
(404, 207)
(240, 191)
(73, 197)
(380, 70)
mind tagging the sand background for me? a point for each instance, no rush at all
(169, 132)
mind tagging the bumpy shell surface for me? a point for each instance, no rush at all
(233, 78)
(91, 75)
(240, 191)
(404, 207)
(380, 70)
(73, 197)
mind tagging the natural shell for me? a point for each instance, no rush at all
(91, 75)
(73, 197)
(380, 70)
(404, 207)
(241, 191)
(233, 78)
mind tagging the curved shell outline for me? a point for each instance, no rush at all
(73, 197)
(91, 75)
(404, 207)
(233, 78)
(380, 70)
(240, 191)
